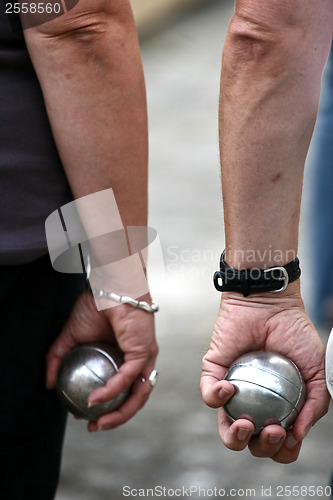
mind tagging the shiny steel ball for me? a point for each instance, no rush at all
(269, 389)
(84, 369)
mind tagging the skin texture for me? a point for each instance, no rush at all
(272, 64)
(270, 85)
(89, 67)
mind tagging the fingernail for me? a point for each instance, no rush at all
(291, 442)
(274, 439)
(223, 393)
(243, 434)
(92, 403)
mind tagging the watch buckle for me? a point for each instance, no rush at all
(284, 278)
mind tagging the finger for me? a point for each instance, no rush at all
(289, 450)
(214, 390)
(121, 381)
(269, 441)
(236, 435)
(138, 397)
(215, 393)
(316, 406)
(291, 446)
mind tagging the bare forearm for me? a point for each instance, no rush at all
(93, 85)
(269, 97)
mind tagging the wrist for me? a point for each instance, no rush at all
(254, 280)
(290, 297)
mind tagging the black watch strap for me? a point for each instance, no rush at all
(247, 281)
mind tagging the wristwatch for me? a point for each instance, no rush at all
(247, 281)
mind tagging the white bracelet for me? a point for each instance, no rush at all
(123, 299)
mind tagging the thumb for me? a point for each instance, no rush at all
(214, 390)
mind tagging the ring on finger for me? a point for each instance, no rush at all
(152, 379)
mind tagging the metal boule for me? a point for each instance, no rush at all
(269, 389)
(84, 369)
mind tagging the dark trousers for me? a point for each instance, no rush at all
(35, 301)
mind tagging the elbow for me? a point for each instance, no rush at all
(260, 48)
(83, 29)
(88, 27)
(249, 42)
(94, 39)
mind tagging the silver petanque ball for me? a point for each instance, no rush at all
(84, 369)
(269, 389)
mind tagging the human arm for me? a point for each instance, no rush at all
(271, 71)
(89, 67)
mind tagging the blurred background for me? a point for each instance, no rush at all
(173, 442)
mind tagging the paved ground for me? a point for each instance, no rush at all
(173, 441)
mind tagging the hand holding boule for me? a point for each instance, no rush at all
(273, 323)
(133, 331)
(84, 369)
